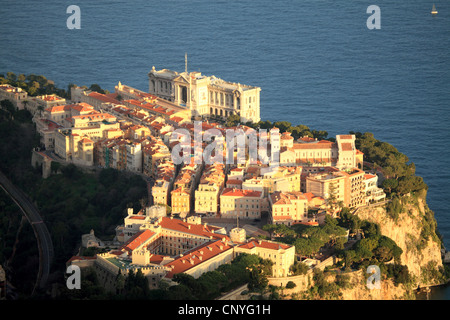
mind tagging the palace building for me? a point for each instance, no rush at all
(206, 95)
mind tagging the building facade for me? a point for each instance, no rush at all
(245, 204)
(288, 208)
(206, 95)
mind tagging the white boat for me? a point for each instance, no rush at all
(433, 10)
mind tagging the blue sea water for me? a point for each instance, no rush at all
(316, 61)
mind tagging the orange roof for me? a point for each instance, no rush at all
(50, 98)
(346, 136)
(286, 197)
(196, 256)
(197, 229)
(179, 192)
(231, 192)
(60, 108)
(86, 140)
(234, 181)
(83, 107)
(136, 240)
(323, 144)
(138, 217)
(176, 119)
(264, 244)
(309, 196)
(347, 146)
(281, 217)
(306, 139)
(103, 97)
(156, 258)
(369, 176)
(94, 116)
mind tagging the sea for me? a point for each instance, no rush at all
(317, 62)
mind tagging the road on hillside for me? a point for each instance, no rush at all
(45, 244)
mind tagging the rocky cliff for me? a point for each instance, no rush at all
(411, 224)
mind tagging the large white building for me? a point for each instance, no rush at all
(206, 95)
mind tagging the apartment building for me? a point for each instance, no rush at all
(288, 208)
(164, 179)
(154, 151)
(282, 255)
(245, 204)
(311, 152)
(347, 186)
(211, 184)
(36, 105)
(61, 112)
(182, 197)
(373, 192)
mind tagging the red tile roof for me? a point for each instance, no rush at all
(196, 256)
(234, 181)
(102, 97)
(346, 136)
(136, 240)
(281, 217)
(323, 144)
(231, 192)
(310, 196)
(197, 229)
(264, 244)
(137, 217)
(347, 146)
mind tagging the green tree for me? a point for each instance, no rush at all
(95, 87)
(270, 228)
(283, 125)
(233, 120)
(390, 185)
(349, 258)
(290, 285)
(364, 248)
(299, 268)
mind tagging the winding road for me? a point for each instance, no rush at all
(45, 244)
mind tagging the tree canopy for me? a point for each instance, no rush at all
(395, 166)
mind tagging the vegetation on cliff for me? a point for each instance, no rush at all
(37, 85)
(71, 203)
(398, 171)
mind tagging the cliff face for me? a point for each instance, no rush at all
(412, 226)
(413, 230)
(388, 290)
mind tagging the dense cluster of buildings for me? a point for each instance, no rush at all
(161, 246)
(132, 130)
